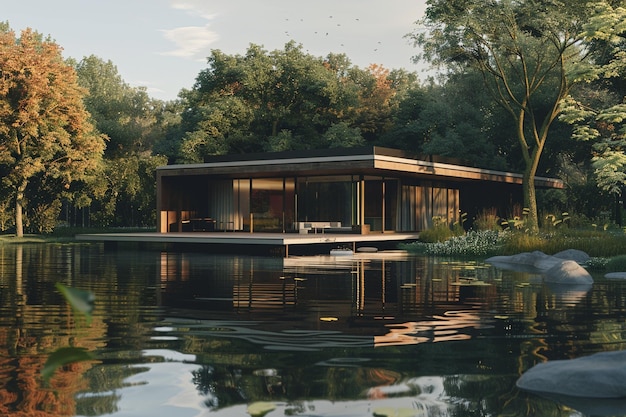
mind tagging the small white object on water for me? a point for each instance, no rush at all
(341, 252)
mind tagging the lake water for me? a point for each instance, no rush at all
(196, 334)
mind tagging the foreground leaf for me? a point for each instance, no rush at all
(80, 300)
(62, 357)
(260, 408)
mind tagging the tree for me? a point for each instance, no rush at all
(285, 100)
(598, 112)
(44, 127)
(125, 190)
(528, 53)
(127, 115)
(451, 120)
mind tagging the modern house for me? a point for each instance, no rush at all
(344, 190)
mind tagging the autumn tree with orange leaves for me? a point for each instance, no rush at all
(45, 133)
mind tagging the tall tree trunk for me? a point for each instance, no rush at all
(19, 209)
(530, 201)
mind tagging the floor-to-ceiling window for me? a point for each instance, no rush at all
(267, 205)
(329, 199)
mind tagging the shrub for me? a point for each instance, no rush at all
(473, 243)
(440, 231)
(551, 221)
(616, 264)
(487, 220)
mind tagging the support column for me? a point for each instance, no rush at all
(361, 208)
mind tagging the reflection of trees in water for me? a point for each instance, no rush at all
(221, 386)
(36, 320)
(483, 395)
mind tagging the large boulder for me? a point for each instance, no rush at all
(524, 261)
(524, 258)
(546, 262)
(540, 260)
(562, 268)
(602, 375)
(567, 272)
(573, 255)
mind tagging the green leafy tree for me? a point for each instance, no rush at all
(380, 93)
(529, 54)
(44, 127)
(342, 135)
(285, 100)
(598, 112)
(133, 123)
(125, 191)
(240, 102)
(127, 115)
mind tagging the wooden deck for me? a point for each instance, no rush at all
(241, 240)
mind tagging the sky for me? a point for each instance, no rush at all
(162, 45)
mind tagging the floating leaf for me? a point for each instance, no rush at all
(80, 300)
(62, 357)
(260, 408)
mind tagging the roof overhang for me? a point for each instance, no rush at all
(345, 161)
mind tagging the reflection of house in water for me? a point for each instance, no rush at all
(378, 286)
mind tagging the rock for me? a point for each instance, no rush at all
(524, 261)
(573, 255)
(546, 262)
(568, 272)
(602, 375)
(556, 269)
(615, 275)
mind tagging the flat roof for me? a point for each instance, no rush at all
(345, 161)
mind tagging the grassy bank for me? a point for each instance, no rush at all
(65, 234)
(602, 244)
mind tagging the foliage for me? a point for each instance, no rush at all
(597, 243)
(286, 100)
(125, 114)
(126, 191)
(517, 222)
(342, 135)
(487, 219)
(439, 232)
(6, 215)
(44, 216)
(44, 127)
(582, 197)
(596, 263)
(62, 357)
(599, 118)
(473, 243)
(554, 221)
(453, 120)
(525, 55)
(82, 302)
(616, 264)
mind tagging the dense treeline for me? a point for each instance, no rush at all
(513, 94)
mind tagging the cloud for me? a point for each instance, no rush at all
(192, 42)
(194, 7)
